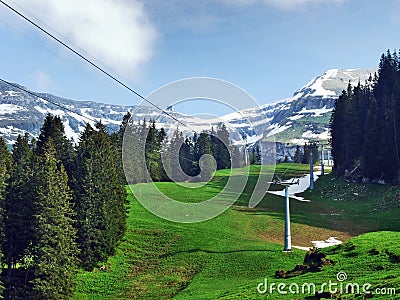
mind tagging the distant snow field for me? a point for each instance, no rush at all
(6, 109)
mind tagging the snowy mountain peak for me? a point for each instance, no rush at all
(333, 82)
(306, 115)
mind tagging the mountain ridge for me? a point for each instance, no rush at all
(306, 114)
(296, 119)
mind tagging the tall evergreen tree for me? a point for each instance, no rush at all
(214, 143)
(100, 199)
(222, 147)
(385, 92)
(369, 158)
(53, 128)
(133, 153)
(315, 152)
(153, 152)
(339, 138)
(163, 156)
(54, 245)
(5, 167)
(126, 121)
(186, 158)
(117, 141)
(352, 133)
(306, 154)
(298, 155)
(203, 146)
(19, 204)
(143, 131)
(177, 141)
(252, 157)
(257, 155)
(237, 157)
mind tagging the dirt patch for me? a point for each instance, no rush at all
(302, 235)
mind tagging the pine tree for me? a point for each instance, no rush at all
(214, 143)
(87, 201)
(237, 157)
(222, 147)
(298, 156)
(5, 167)
(126, 121)
(175, 160)
(252, 157)
(194, 154)
(117, 139)
(257, 155)
(203, 146)
(153, 152)
(306, 154)
(352, 131)
(100, 199)
(338, 134)
(143, 135)
(133, 153)
(370, 164)
(385, 93)
(54, 245)
(186, 158)
(19, 204)
(53, 128)
(162, 141)
(314, 149)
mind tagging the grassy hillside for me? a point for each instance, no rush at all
(228, 256)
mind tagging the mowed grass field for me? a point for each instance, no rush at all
(228, 256)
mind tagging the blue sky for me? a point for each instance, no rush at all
(270, 48)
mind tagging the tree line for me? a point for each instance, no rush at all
(365, 126)
(302, 154)
(63, 206)
(152, 155)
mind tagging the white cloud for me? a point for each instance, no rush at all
(240, 2)
(42, 80)
(283, 4)
(118, 33)
(293, 4)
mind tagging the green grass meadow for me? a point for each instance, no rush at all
(228, 256)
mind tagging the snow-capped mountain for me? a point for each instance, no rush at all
(305, 116)
(22, 112)
(297, 119)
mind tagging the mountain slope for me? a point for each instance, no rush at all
(303, 117)
(306, 115)
(22, 112)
